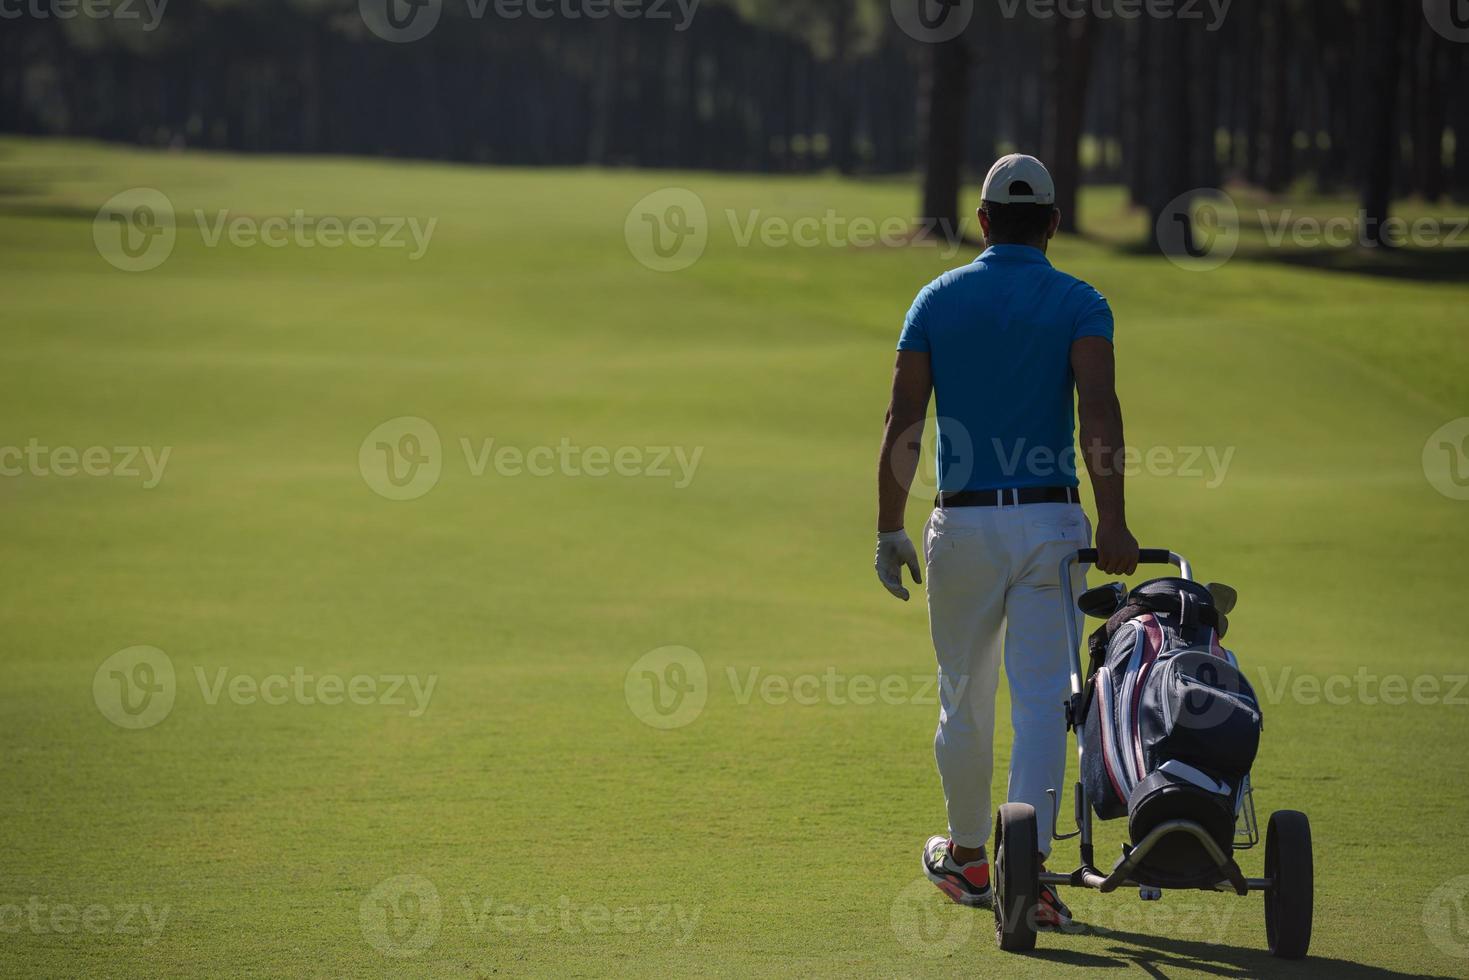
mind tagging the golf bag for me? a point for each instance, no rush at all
(1170, 725)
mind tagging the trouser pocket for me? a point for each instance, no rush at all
(1074, 531)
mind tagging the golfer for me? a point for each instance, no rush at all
(1002, 342)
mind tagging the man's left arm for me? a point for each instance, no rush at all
(902, 441)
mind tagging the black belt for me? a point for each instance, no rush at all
(1011, 497)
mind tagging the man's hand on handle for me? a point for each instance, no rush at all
(894, 550)
(1116, 549)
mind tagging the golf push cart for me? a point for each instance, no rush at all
(1183, 784)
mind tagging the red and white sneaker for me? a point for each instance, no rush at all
(967, 884)
(1050, 911)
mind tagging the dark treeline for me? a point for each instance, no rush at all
(726, 93)
(1358, 95)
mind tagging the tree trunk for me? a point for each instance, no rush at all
(1461, 128)
(1168, 176)
(1382, 60)
(945, 86)
(1204, 108)
(1335, 39)
(1135, 95)
(1429, 81)
(603, 134)
(1070, 70)
(840, 90)
(1255, 108)
(311, 86)
(1278, 123)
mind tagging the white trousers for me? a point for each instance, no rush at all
(993, 584)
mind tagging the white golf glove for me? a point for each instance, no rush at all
(894, 550)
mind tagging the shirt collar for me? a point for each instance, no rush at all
(1013, 253)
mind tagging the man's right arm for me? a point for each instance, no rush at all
(1100, 415)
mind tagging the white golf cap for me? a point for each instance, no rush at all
(1017, 168)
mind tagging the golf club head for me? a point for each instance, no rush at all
(1225, 596)
(1104, 600)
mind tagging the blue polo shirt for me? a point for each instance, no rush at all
(999, 333)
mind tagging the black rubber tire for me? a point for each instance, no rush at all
(1288, 900)
(1017, 877)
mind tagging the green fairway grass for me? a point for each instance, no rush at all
(521, 817)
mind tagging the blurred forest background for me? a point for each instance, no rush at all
(1353, 96)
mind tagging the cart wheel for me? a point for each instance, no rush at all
(1017, 877)
(1288, 900)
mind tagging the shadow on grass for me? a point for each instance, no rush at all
(1161, 957)
(1448, 264)
(41, 209)
(1413, 265)
(30, 192)
(24, 193)
(1445, 262)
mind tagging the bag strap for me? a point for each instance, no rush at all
(1190, 612)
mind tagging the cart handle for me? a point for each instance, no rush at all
(1088, 556)
(1145, 556)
